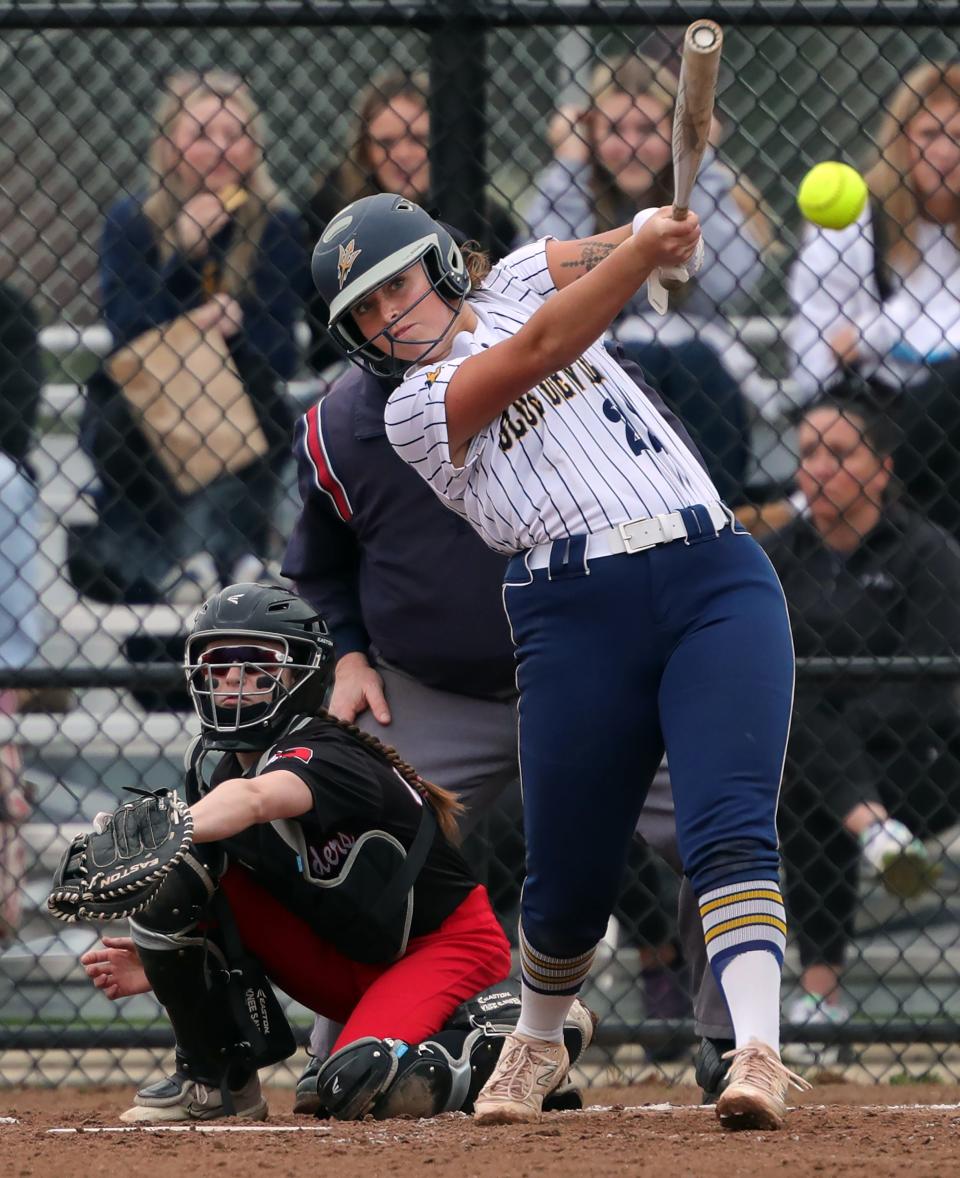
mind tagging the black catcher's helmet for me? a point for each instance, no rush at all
(365, 245)
(270, 633)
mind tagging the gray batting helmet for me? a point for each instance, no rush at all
(365, 245)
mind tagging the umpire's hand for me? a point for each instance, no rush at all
(356, 687)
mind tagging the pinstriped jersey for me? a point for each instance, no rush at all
(582, 451)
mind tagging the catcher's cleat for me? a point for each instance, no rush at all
(713, 1067)
(179, 1098)
(527, 1071)
(568, 1096)
(756, 1093)
(306, 1100)
(583, 1021)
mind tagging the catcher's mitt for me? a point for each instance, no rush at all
(118, 869)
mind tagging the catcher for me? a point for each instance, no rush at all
(309, 854)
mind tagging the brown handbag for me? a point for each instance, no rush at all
(187, 396)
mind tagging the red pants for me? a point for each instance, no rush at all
(409, 999)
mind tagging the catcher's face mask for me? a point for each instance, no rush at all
(245, 684)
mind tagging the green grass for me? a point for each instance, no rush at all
(902, 1078)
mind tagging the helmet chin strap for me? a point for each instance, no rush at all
(429, 345)
(384, 362)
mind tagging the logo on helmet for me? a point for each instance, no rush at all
(348, 255)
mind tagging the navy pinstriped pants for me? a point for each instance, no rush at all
(686, 647)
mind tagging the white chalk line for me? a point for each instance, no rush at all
(709, 1108)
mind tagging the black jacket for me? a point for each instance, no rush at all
(20, 375)
(897, 594)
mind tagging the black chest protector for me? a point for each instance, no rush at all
(365, 910)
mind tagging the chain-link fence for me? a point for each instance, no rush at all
(167, 169)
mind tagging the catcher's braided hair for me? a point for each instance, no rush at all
(441, 801)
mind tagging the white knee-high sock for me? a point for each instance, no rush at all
(542, 1015)
(542, 1010)
(751, 985)
(745, 930)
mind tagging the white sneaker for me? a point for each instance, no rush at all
(178, 1098)
(528, 1070)
(756, 1093)
(899, 859)
(810, 1010)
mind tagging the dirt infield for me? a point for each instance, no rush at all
(625, 1132)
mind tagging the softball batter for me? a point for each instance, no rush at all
(643, 618)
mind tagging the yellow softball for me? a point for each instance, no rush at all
(832, 195)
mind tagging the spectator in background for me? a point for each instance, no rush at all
(388, 153)
(20, 385)
(870, 765)
(214, 238)
(614, 158)
(21, 625)
(883, 295)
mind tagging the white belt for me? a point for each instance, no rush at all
(635, 535)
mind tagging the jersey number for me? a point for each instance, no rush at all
(612, 413)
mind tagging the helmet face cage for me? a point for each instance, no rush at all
(376, 354)
(253, 723)
(368, 244)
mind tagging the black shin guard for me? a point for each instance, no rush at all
(206, 1035)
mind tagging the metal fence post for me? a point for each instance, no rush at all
(458, 118)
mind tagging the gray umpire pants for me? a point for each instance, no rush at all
(469, 746)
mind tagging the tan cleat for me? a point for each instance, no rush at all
(756, 1093)
(178, 1098)
(528, 1070)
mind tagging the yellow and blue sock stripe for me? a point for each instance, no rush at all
(742, 917)
(553, 975)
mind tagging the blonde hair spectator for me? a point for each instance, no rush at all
(931, 89)
(170, 188)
